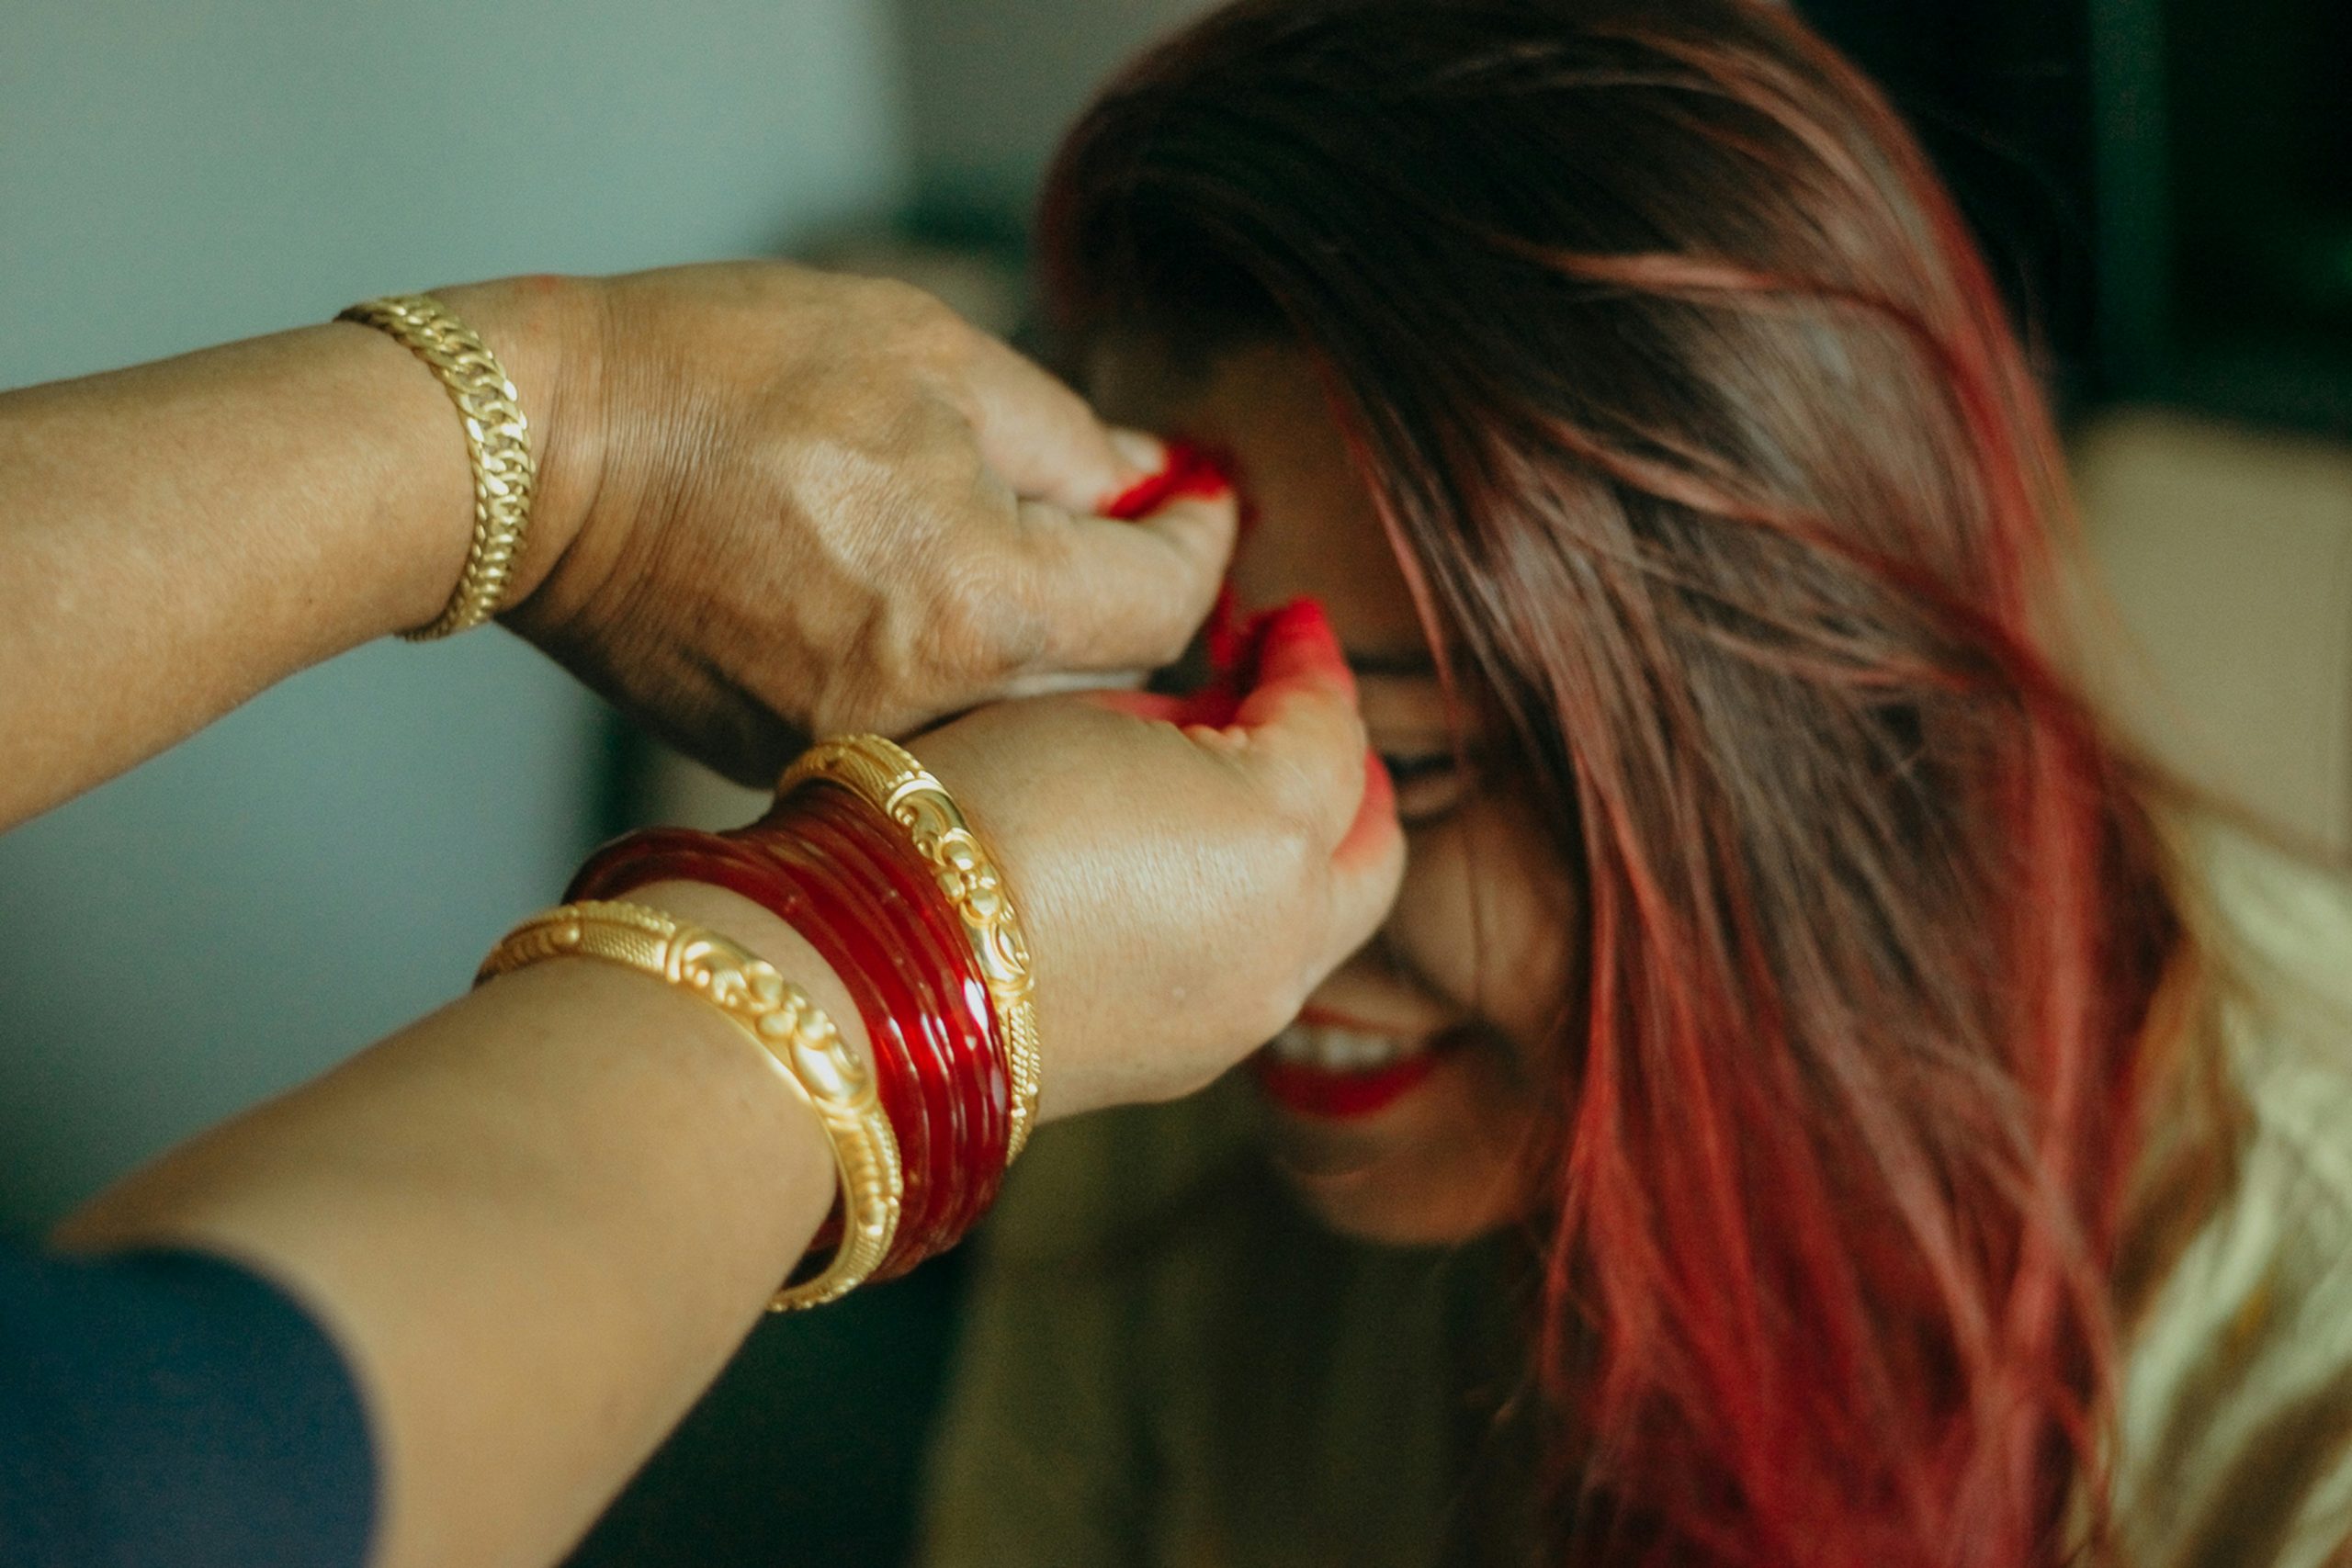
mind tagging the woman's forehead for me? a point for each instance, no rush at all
(1313, 529)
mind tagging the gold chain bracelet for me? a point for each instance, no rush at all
(497, 443)
(891, 780)
(798, 1039)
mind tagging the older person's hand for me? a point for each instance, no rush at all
(1188, 871)
(776, 503)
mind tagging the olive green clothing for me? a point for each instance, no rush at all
(1167, 1364)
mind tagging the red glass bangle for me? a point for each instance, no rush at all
(985, 1070)
(901, 886)
(809, 892)
(889, 967)
(886, 879)
(912, 1093)
(681, 855)
(805, 855)
(828, 865)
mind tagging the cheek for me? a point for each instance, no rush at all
(1488, 916)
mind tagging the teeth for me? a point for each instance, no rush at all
(1340, 1050)
(1292, 1045)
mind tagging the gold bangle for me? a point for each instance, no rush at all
(497, 441)
(889, 778)
(803, 1044)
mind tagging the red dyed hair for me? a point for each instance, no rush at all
(1697, 421)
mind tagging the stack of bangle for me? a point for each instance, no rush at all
(866, 857)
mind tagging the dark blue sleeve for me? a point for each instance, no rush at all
(168, 1408)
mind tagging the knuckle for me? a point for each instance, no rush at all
(887, 298)
(1293, 855)
(1024, 632)
(1174, 641)
(1295, 795)
(1339, 731)
(923, 327)
(1166, 642)
(854, 696)
(985, 623)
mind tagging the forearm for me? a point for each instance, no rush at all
(539, 1221)
(180, 535)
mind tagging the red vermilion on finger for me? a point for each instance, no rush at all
(1296, 649)
(1192, 473)
(1262, 653)
(1230, 638)
(1250, 657)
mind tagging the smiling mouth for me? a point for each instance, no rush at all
(1333, 1071)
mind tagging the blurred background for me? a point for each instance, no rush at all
(2165, 185)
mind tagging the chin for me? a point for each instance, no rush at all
(1393, 1206)
(1430, 1160)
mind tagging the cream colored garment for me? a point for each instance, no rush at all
(2236, 1405)
(1165, 1364)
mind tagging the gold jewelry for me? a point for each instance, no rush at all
(888, 778)
(497, 440)
(803, 1044)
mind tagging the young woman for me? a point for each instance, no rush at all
(1810, 1106)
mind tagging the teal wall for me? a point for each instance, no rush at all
(996, 82)
(330, 860)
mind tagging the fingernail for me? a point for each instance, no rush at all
(1144, 454)
(1300, 636)
(1305, 620)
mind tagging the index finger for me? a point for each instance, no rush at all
(1040, 437)
(1305, 740)
(1297, 733)
(1121, 596)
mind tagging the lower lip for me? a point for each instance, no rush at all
(1307, 1090)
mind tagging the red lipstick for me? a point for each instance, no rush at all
(1308, 1090)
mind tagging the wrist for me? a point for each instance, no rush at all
(546, 332)
(842, 877)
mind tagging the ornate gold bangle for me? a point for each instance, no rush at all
(799, 1039)
(497, 441)
(891, 780)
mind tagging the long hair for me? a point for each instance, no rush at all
(1696, 420)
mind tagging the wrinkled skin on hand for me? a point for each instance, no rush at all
(784, 502)
(776, 503)
(1186, 872)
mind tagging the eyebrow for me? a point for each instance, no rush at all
(1419, 664)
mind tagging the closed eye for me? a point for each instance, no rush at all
(1428, 783)
(1407, 768)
